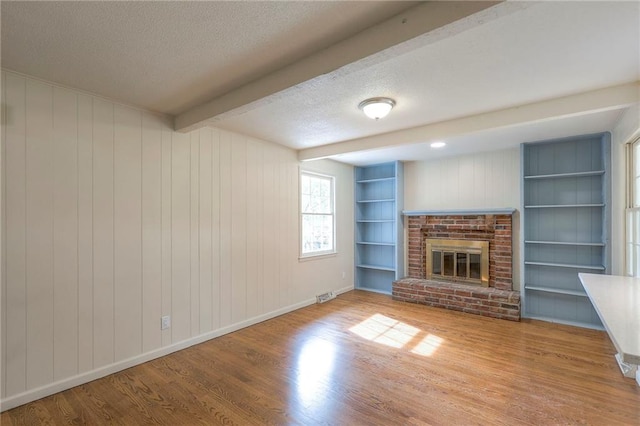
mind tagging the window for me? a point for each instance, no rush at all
(633, 210)
(317, 214)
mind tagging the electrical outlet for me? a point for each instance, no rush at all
(165, 322)
(344, 275)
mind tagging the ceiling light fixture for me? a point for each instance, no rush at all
(376, 108)
(438, 144)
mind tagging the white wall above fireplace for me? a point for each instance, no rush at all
(482, 180)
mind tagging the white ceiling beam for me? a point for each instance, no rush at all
(424, 18)
(609, 98)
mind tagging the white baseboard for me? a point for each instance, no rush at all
(70, 382)
(344, 289)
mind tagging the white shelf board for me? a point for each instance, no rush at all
(566, 175)
(560, 206)
(375, 180)
(378, 267)
(567, 265)
(565, 322)
(385, 200)
(564, 243)
(555, 290)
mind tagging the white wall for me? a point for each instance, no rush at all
(112, 220)
(626, 130)
(326, 272)
(475, 181)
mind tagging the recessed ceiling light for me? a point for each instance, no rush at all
(376, 108)
(438, 144)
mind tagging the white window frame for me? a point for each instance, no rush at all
(632, 212)
(320, 253)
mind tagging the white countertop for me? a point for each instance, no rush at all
(617, 301)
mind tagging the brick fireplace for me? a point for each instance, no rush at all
(498, 300)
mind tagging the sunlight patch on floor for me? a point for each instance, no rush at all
(428, 345)
(315, 367)
(386, 331)
(396, 334)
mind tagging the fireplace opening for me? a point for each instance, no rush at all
(457, 260)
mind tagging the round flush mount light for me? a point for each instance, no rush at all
(438, 144)
(377, 108)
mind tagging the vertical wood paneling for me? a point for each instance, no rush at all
(39, 191)
(467, 194)
(205, 232)
(281, 218)
(293, 231)
(215, 229)
(285, 215)
(270, 231)
(65, 233)
(112, 220)
(3, 259)
(151, 231)
(15, 234)
(254, 225)
(194, 248)
(225, 229)
(292, 242)
(103, 286)
(482, 180)
(238, 228)
(180, 238)
(167, 205)
(85, 233)
(128, 232)
(479, 177)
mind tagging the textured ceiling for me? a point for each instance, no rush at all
(171, 56)
(542, 51)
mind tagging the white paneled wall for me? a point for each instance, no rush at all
(112, 220)
(476, 181)
(480, 180)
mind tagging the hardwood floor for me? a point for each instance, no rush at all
(364, 359)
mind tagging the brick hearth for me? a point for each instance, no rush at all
(498, 300)
(486, 301)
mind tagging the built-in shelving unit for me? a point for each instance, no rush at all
(378, 226)
(566, 200)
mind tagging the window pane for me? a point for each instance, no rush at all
(636, 158)
(316, 194)
(306, 203)
(306, 184)
(632, 266)
(316, 199)
(317, 233)
(307, 234)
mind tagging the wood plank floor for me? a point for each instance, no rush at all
(364, 359)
